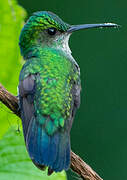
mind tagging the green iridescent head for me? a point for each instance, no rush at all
(42, 28)
(45, 29)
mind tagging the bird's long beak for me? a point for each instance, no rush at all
(88, 26)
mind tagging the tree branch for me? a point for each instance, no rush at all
(77, 164)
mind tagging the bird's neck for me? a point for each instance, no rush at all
(39, 51)
(50, 55)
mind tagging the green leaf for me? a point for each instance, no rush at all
(11, 21)
(15, 163)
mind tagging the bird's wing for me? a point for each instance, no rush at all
(26, 101)
(76, 95)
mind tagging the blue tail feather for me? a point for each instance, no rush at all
(38, 139)
(68, 155)
(32, 143)
(61, 162)
(52, 151)
(44, 147)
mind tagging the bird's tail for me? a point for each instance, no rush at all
(45, 150)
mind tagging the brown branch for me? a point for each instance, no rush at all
(9, 100)
(77, 164)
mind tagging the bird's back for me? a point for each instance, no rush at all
(49, 92)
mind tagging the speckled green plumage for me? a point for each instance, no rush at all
(53, 97)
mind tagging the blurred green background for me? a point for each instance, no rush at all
(99, 133)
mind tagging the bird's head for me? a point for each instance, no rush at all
(45, 29)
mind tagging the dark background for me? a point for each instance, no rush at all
(99, 133)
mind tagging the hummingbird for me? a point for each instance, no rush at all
(49, 89)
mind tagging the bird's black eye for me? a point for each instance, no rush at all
(52, 31)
